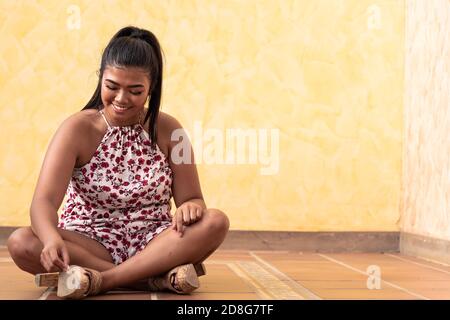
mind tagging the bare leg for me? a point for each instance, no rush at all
(25, 249)
(169, 250)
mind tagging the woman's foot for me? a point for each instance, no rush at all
(182, 279)
(75, 283)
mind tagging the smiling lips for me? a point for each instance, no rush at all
(120, 108)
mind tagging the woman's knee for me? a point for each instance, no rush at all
(23, 244)
(217, 221)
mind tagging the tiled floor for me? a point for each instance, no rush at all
(255, 275)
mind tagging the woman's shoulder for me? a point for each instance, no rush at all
(84, 119)
(83, 123)
(167, 123)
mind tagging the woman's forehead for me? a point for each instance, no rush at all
(125, 75)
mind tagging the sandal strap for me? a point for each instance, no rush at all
(95, 282)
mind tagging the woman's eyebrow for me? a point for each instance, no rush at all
(132, 86)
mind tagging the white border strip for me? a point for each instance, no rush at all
(304, 292)
(261, 292)
(365, 273)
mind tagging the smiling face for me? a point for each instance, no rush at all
(124, 93)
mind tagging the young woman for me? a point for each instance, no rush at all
(114, 161)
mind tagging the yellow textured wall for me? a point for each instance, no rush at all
(328, 75)
(426, 183)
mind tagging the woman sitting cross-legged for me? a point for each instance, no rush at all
(113, 160)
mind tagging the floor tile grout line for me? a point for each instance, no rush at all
(263, 294)
(417, 263)
(46, 293)
(304, 292)
(365, 273)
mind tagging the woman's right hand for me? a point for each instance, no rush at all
(55, 256)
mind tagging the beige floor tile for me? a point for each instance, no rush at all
(209, 296)
(363, 294)
(325, 278)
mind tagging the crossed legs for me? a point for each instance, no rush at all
(164, 252)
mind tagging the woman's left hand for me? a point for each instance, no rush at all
(186, 214)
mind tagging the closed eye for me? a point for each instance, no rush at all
(132, 92)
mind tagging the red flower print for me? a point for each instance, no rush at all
(139, 153)
(104, 164)
(157, 157)
(130, 162)
(106, 188)
(162, 178)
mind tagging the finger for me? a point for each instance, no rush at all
(66, 258)
(174, 219)
(180, 222)
(186, 216)
(56, 261)
(45, 261)
(199, 213)
(193, 215)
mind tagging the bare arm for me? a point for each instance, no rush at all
(186, 188)
(53, 180)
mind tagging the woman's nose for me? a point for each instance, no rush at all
(120, 97)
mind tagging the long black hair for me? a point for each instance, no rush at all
(134, 47)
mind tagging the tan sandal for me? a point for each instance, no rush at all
(182, 279)
(75, 283)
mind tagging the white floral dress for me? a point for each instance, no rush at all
(121, 197)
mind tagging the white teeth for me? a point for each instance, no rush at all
(120, 108)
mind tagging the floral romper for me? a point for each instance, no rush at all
(121, 197)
